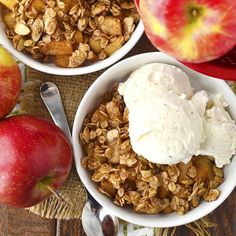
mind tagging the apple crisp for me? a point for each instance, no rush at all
(131, 180)
(70, 32)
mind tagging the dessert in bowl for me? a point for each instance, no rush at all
(158, 180)
(69, 37)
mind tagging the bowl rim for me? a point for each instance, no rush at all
(119, 211)
(52, 69)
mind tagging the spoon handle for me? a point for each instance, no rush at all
(52, 100)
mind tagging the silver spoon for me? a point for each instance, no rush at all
(107, 223)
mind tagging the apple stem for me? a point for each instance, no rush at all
(55, 193)
(194, 12)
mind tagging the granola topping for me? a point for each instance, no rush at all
(103, 25)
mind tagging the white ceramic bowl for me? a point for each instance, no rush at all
(90, 101)
(53, 69)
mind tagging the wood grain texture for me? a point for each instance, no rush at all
(70, 228)
(19, 222)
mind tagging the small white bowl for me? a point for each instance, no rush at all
(91, 100)
(53, 69)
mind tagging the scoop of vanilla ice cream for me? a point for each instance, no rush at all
(220, 142)
(164, 125)
(168, 130)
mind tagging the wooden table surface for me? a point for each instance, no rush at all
(19, 222)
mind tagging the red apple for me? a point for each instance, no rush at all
(10, 82)
(35, 156)
(190, 30)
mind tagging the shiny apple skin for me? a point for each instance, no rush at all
(10, 82)
(192, 31)
(34, 153)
